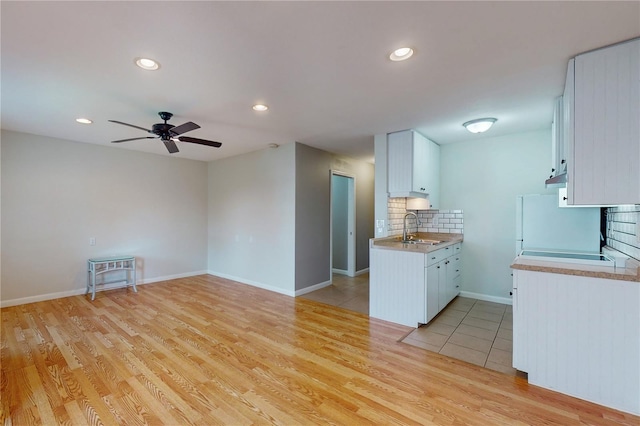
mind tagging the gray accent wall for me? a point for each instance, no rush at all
(56, 194)
(313, 213)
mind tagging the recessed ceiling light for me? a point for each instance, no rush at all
(147, 64)
(401, 54)
(480, 125)
(83, 120)
(260, 107)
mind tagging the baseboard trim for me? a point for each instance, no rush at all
(80, 291)
(487, 298)
(312, 288)
(252, 283)
(362, 271)
(340, 271)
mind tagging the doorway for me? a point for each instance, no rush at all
(343, 220)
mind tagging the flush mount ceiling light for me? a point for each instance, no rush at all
(401, 54)
(480, 125)
(147, 64)
(83, 120)
(260, 107)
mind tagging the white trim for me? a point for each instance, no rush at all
(313, 288)
(253, 283)
(362, 271)
(487, 298)
(172, 277)
(340, 271)
(83, 290)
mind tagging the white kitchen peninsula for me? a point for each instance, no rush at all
(410, 283)
(576, 330)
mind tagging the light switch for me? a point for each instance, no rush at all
(92, 241)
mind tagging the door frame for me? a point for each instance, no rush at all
(351, 224)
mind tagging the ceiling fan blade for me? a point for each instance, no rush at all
(133, 139)
(200, 141)
(183, 128)
(130, 125)
(171, 146)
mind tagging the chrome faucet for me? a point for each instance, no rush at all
(404, 224)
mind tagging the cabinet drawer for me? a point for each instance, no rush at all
(456, 266)
(457, 248)
(437, 256)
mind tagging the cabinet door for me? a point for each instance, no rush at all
(568, 101)
(606, 148)
(443, 294)
(420, 163)
(558, 158)
(400, 161)
(433, 180)
(432, 301)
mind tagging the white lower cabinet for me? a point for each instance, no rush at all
(411, 288)
(579, 336)
(396, 285)
(443, 278)
(436, 274)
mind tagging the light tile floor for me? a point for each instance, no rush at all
(471, 330)
(345, 292)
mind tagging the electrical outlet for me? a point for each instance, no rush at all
(92, 241)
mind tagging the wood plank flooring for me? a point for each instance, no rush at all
(205, 351)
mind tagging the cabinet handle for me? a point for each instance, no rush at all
(457, 286)
(553, 170)
(457, 270)
(550, 176)
(564, 198)
(438, 267)
(446, 263)
(434, 258)
(562, 162)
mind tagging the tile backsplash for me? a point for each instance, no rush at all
(442, 221)
(623, 228)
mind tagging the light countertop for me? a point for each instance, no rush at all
(630, 273)
(395, 243)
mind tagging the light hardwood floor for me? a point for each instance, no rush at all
(205, 351)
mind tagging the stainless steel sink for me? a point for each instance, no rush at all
(421, 241)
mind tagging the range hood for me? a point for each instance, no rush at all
(559, 181)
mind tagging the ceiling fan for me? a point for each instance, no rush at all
(169, 134)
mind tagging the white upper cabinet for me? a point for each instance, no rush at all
(413, 163)
(558, 155)
(604, 162)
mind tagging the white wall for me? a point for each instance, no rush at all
(251, 234)
(56, 194)
(483, 177)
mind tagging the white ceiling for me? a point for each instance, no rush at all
(322, 67)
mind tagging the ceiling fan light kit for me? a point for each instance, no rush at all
(168, 133)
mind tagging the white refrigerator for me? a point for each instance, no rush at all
(542, 225)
